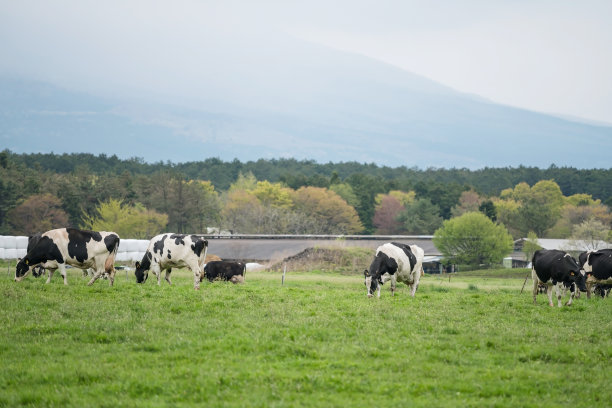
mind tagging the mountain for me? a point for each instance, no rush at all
(309, 102)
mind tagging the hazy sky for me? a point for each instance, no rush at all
(552, 56)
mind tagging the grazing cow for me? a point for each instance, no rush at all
(598, 268)
(39, 270)
(225, 271)
(395, 262)
(82, 249)
(167, 251)
(602, 290)
(556, 268)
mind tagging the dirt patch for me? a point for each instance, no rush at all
(347, 261)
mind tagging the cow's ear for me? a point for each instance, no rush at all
(137, 264)
(571, 273)
(27, 262)
(366, 273)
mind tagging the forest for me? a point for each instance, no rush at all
(138, 199)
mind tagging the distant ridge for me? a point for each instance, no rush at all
(323, 105)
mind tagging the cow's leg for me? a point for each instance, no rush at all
(589, 287)
(415, 284)
(549, 290)
(534, 279)
(95, 276)
(111, 276)
(51, 270)
(558, 293)
(196, 275)
(156, 269)
(378, 291)
(168, 275)
(572, 293)
(393, 284)
(62, 270)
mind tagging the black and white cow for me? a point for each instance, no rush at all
(167, 251)
(39, 270)
(395, 262)
(82, 249)
(597, 266)
(553, 267)
(224, 271)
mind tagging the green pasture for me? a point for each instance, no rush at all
(317, 340)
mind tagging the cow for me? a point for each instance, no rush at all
(39, 270)
(597, 265)
(395, 261)
(225, 271)
(82, 249)
(556, 268)
(169, 250)
(602, 290)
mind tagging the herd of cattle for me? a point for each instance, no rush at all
(392, 262)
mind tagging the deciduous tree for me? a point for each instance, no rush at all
(386, 216)
(38, 213)
(329, 208)
(473, 239)
(127, 221)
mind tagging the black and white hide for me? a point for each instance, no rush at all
(395, 262)
(555, 268)
(167, 251)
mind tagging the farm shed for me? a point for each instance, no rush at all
(258, 248)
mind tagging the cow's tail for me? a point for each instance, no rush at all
(109, 265)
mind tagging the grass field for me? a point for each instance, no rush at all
(315, 341)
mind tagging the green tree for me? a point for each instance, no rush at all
(525, 208)
(365, 188)
(244, 182)
(444, 195)
(420, 217)
(473, 239)
(127, 221)
(190, 205)
(487, 207)
(273, 194)
(345, 191)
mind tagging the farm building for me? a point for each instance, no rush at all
(248, 248)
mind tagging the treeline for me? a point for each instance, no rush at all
(297, 173)
(42, 191)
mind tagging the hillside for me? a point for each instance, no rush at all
(302, 101)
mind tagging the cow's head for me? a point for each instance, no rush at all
(23, 268)
(583, 261)
(575, 274)
(381, 264)
(141, 272)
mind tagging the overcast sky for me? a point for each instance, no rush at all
(552, 56)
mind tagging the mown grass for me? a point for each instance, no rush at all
(315, 341)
